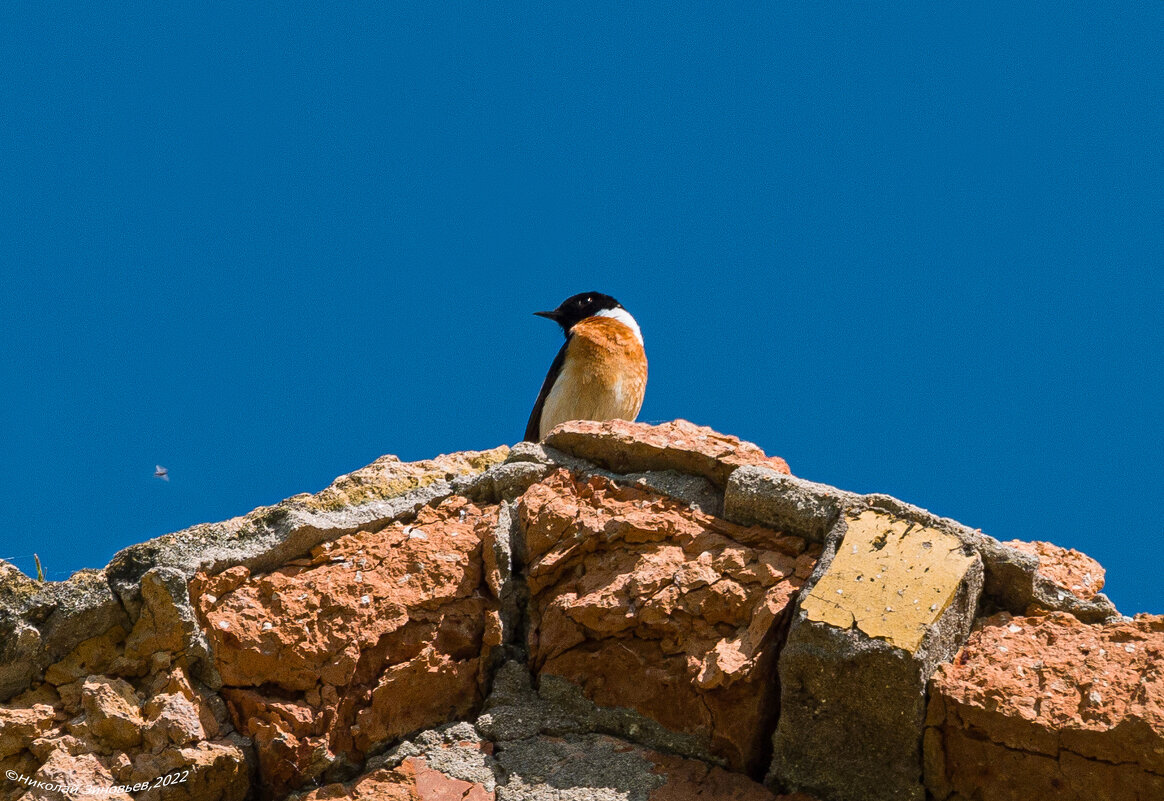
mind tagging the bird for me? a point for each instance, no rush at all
(161, 472)
(601, 371)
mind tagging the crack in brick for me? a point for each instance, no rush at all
(978, 733)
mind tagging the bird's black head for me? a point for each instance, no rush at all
(578, 307)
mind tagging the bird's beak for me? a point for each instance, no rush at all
(549, 315)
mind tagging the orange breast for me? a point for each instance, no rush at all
(604, 376)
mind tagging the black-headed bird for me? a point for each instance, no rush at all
(601, 371)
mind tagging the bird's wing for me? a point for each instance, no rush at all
(533, 427)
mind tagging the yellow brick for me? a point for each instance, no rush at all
(891, 578)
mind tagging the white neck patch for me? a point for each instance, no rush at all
(623, 316)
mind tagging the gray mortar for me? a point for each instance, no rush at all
(581, 768)
(510, 555)
(442, 750)
(762, 495)
(545, 455)
(41, 622)
(850, 718)
(852, 706)
(548, 745)
(696, 491)
(558, 708)
(502, 482)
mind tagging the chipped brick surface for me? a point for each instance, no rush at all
(373, 636)
(647, 604)
(626, 447)
(20, 726)
(412, 780)
(692, 780)
(1072, 571)
(106, 732)
(1050, 707)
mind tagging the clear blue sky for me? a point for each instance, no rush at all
(913, 251)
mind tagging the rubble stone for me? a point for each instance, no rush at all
(112, 711)
(1050, 707)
